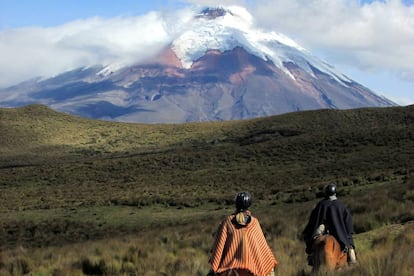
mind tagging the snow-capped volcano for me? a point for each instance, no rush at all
(227, 28)
(218, 66)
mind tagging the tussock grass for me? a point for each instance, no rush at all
(179, 251)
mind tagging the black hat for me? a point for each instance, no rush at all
(243, 200)
(330, 189)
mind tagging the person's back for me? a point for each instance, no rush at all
(240, 245)
(330, 216)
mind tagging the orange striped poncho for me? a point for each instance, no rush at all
(241, 247)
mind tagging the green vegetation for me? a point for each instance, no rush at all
(80, 196)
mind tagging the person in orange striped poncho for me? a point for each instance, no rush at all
(240, 247)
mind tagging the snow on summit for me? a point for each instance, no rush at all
(224, 28)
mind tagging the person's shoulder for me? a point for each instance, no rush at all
(254, 220)
(322, 202)
(227, 218)
(339, 203)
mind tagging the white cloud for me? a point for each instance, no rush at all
(31, 52)
(376, 39)
(376, 36)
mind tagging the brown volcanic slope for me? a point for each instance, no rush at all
(237, 85)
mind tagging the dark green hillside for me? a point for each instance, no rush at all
(65, 179)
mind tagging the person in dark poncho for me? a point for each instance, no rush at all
(240, 247)
(331, 216)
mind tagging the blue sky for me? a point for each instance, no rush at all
(19, 13)
(370, 41)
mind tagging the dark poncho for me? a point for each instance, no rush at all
(337, 220)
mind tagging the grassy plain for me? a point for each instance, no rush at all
(81, 196)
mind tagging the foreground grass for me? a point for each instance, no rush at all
(161, 240)
(184, 251)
